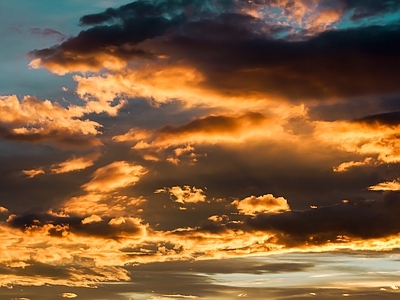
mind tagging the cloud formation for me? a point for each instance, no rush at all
(116, 175)
(263, 204)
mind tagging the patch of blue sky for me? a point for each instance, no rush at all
(381, 20)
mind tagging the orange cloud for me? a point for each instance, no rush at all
(262, 204)
(34, 172)
(386, 186)
(310, 15)
(114, 176)
(92, 219)
(362, 138)
(32, 120)
(185, 195)
(75, 163)
(218, 129)
(344, 167)
(69, 295)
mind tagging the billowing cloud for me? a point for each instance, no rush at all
(3, 210)
(32, 120)
(262, 204)
(146, 44)
(114, 176)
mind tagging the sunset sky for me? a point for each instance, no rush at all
(199, 149)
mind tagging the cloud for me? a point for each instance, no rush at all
(386, 186)
(262, 204)
(345, 166)
(364, 137)
(364, 219)
(185, 195)
(33, 120)
(3, 210)
(69, 295)
(114, 176)
(149, 43)
(92, 219)
(367, 9)
(62, 226)
(49, 32)
(34, 172)
(75, 163)
(207, 130)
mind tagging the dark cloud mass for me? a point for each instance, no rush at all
(102, 228)
(238, 52)
(359, 219)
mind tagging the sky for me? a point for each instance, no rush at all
(199, 149)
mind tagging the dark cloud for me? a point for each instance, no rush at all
(60, 138)
(213, 124)
(238, 53)
(76, 225)
(364, 219)
(339, 63)
(390, 118)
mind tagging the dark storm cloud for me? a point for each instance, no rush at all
(390, 118)
(103, 228)
(363, 219)
(335, 63)
(237, 53)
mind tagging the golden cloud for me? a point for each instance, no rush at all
(34, 172)
(33, 120)
(185, 195)
(92, 219)
(114, 176)
(386, 186)
(262, 204)
(75, 163)
(378, 140)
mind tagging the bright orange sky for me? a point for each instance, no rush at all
(199, 149)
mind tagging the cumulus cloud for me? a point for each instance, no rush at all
(92, 219)
(263, 204)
